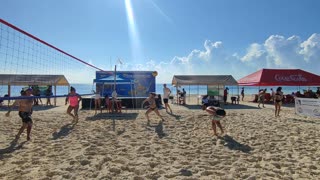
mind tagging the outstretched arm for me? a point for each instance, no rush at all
(14, 104)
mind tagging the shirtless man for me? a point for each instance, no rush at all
(166, 94)
(25, 111)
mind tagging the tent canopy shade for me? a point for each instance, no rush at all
(280, 77)
(181, 80)
(23, 79)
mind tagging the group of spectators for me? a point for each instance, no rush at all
(308, 94)
(36, 92)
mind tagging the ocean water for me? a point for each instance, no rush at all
(192, 90)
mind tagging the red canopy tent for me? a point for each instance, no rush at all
(280, 77)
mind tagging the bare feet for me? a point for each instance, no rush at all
(75, 119)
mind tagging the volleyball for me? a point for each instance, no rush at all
(154, 73)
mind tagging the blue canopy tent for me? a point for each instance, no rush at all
(135, 85)
(114, 81)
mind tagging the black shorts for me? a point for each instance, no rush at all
(25, 116)
(165, 101)
(153, 108)
(225, 98)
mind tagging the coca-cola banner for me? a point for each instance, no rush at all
(280, 77)
(307, 107)
(293, 77)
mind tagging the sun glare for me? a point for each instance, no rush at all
(133, 33)
(129, 12)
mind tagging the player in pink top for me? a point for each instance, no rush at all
(73, 98)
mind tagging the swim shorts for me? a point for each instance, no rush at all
(25, 116)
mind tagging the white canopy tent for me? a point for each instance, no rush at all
(27, 80)
(196, 80)
(181, 80)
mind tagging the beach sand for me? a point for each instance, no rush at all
(256, 145)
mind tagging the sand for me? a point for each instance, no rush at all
(256, 145)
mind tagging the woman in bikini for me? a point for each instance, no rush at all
(152, 106)
(73, 98)
(216, 114)
(278, 101)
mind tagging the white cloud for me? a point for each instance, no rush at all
(255, 51)
(310, 49)
(275, 52)
(283, 52)
(209, 46)
(280, 52)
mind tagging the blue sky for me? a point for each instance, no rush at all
(201, 37)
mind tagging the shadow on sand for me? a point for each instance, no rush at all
(64, 131)
(116, 116)
(177, 117)
(228, 106)
(13, 147)
(35, 108)
(304, 121)
(158, 129)
(234, 145)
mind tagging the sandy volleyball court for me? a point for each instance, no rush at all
(256, 145)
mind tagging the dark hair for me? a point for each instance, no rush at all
(203, 107)
(279, 88)
(221, 112)
(72, 89)
(22, 92)
(153, 93)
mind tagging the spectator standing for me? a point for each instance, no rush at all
(48, 94)
(242, 93)
(278, 101)
(225, 95)
(166, 94)
(272, 94)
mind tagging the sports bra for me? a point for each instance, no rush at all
(73, 99)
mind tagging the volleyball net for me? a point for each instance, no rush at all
(22, 53)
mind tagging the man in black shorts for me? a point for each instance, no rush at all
(166, 94)
(25, 111)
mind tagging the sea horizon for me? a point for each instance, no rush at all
(83, 88)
